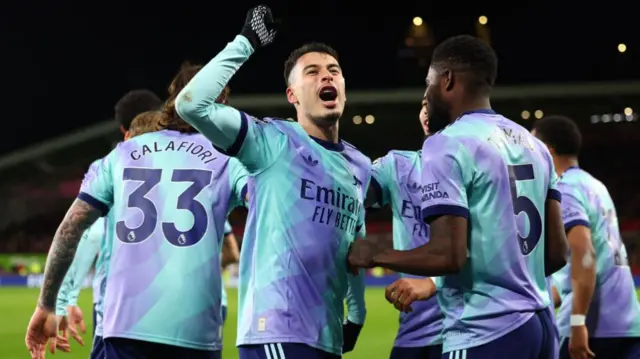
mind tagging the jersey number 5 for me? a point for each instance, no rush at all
(149, 179)
(524, 204)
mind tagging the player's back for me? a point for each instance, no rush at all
(614, 309)
(507, 174)
(171, 196)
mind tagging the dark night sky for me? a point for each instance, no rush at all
(66, 63)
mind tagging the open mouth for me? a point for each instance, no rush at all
(328, 93)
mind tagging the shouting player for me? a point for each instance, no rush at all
(306, 200)
(599, 313)
(489, 197)
(127, 110)
(167, 195)
(396, 182)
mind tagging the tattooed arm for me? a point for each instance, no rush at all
(79, 217)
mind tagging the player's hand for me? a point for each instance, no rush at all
(403, 292)
(259, 27)
(361, 254)
(43, 327)
(76, 322)
(350, 334)
(62, 339)
(579, 343)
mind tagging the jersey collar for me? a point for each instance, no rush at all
(485, 111)
(331, 146)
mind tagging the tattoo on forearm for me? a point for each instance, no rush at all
(79, 217)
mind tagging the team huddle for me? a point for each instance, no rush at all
(494, 227)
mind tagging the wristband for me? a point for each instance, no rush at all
(577, 320)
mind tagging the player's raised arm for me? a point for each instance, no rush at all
(226, 127)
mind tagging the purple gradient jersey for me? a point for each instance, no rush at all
(168, 195)
(614, 311)
(397, 177)
(493, 172)
(305, 209)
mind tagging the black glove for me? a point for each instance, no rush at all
(259, 27)
(350, 333)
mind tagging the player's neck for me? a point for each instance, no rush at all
(470, 106)
(564, 163)
(329, 134)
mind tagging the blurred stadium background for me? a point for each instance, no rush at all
(567, 68)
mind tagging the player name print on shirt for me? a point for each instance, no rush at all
(190, 147)
(338, 206)
(504, 136)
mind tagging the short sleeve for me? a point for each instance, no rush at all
(552, 191)
(238, 177)
(261, 143)
(443, 183)
(97, 185)
(574, 213)
(381, 179)
(227, 228)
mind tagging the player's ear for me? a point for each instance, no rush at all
(127, 135)
(448, 80)
(291, 97)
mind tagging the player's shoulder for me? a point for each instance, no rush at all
(448, 141)
(97, 163)
(275, 121)
(402, 156)
(355, 154)
(580, 180)
(285, 126)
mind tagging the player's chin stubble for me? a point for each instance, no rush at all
(438, 116)
(327, 119)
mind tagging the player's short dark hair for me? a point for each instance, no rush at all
(303, 50)
(559, 133)
(466, 53)
(134, 103)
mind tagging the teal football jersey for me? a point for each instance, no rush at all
(614, 309)
(493, 172)
(167, 195)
